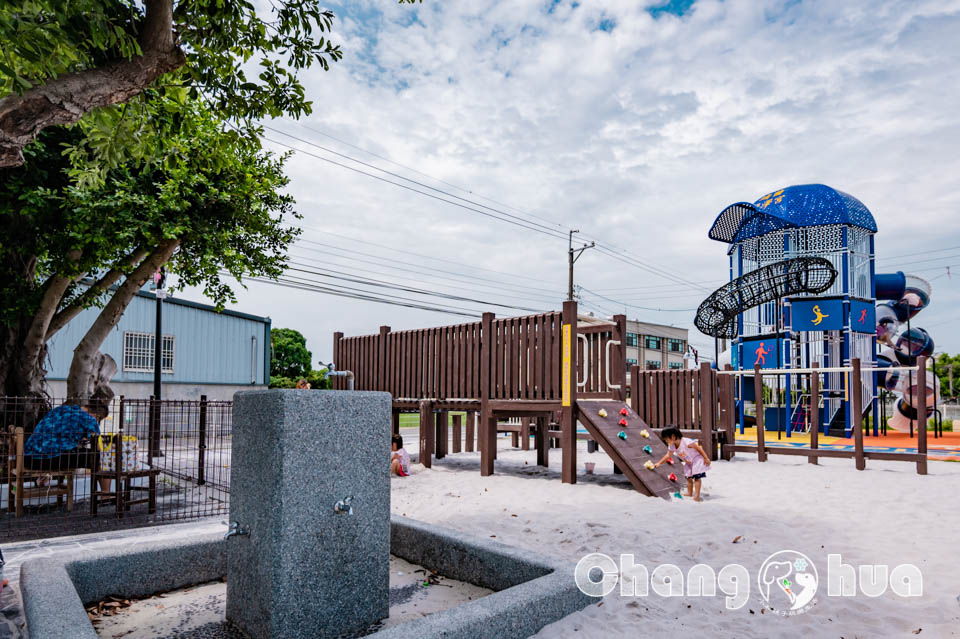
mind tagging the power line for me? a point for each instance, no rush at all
(645, 308)
(369, 298)
(497, 290)
(392, 264)
(518, 221)
(610, 251)
(433, 177)
(429, 257)
(339, 275)
(893, 257)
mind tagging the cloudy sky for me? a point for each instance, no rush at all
(634, 121)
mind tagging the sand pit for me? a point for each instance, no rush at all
(885, 515)
(198, 612)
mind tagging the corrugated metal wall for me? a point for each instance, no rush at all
(209, 347)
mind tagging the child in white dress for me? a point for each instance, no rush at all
(695, 460)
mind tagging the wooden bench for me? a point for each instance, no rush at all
(17, 475)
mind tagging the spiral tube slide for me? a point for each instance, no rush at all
(901, 344)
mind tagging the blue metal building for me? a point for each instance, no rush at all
(204, 352)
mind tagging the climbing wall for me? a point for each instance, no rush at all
(620, 432)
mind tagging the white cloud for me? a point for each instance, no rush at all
(639, 136)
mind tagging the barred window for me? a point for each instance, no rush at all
(633, 339)
(675, 365)
(138, 352)
(675, 345)
(631, 362)
(651, 342)
(652, 365)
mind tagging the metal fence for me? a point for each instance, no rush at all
(152, 463)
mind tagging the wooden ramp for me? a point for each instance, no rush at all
(628, 454)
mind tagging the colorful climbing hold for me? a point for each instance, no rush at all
(648, 465)
(622, 435)
(647, 449)
(602, 413)
(624, 412)
(677, 495)
(622, 422)
(672, 477)
(644, 433)
(670, 461)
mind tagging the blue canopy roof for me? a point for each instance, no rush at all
(793, 207)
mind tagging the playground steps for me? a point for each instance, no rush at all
(628, 454)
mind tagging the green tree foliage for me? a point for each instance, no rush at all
(217, 208)
(944, 365)
(66, 60)
(289, 356)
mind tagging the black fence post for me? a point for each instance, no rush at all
(202, 446)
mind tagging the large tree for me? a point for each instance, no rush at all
(61, 60)
(212, 205)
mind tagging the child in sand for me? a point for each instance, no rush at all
(399, 458)
(695, 461)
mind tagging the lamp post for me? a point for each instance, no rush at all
(159, 280)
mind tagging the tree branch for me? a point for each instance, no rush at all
(84, 355)
(65, 99)
(63, 317)
(54, 288)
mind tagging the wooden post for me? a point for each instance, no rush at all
(758, 391)
(708, 408)
(921, 399)
(568, 377)
(443, 433)
(396, 422)
(856, 410)
(814, 412)
(618, 356)
(540, 439)
(457, 432)
(525, 433)
(337, 361)
(426, 432)
(472, 417)
(635, 389)
(382, 366)
(488, 430)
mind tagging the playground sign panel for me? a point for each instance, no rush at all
(863, 317)
(762, 351)
(817, 315)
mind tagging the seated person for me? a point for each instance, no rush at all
(65, 439)
(399, 458)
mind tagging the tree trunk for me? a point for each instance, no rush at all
(86, 356)
(65, 99)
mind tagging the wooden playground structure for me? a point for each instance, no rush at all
(553, 371)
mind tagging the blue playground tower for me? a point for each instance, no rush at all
(831, 327)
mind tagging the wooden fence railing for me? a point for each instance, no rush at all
(521, 355)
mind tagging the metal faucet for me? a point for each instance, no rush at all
(235, 531)
(333, 372)
(344, 506)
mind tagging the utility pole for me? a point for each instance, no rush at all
(574, 255)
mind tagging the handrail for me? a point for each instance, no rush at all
(610, 385)
(835, 369)
(585, 360)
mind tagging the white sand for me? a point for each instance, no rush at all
(199, 611)
(885, 515)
